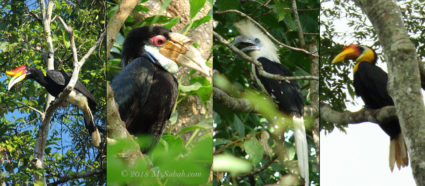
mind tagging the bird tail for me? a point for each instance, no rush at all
(91, 127)
(301, 145)
(398, 152)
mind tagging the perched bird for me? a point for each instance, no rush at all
(55, 81)
(146, 90)
(370, 83)
(286, 94)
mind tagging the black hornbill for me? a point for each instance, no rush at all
(146, 90)
(55, 82)
(286, 94)
(370, 83)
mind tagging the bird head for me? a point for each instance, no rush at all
(18, 74)
(356, 52)
(168, 48)
(254, 42)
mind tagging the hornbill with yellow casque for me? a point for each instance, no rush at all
(55, 82)
(286, 94)
(370, 83)
(146, 90)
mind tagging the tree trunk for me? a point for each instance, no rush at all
(404, 80)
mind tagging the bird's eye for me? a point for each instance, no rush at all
(158, 40)
(256, 40)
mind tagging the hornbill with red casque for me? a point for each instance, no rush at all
(370, 83)
(286, 94)
(146, 90)
(55, 82)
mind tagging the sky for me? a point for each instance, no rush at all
(360, 156)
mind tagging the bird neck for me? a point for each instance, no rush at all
(37, 75)
(157, 58)
(368, 56)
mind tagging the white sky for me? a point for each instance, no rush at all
(360, 156)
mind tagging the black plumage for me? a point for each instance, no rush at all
(55, 82)
(370, 83)
(144, 90)
(286, 94)
(146, 99)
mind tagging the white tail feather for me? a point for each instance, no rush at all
(302, 149)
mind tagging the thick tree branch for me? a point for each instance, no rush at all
(117, 20)
(116, 128)
(422, 73)
(267, 33)
(297, 20)
(219, 38)
(363, 115)
(403, 77)
(44, 129)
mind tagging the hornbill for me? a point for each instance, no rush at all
(370, 83)
(55, 82)
(286, 94)
(146, 90)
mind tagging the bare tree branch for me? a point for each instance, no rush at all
(297, 20)
(117, 20)
(78, 176)
(44, 129)
(244, 105)
(258, 64)
(363, 115)
(267, 33)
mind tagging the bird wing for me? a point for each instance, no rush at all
(287, 94)
(134, 81)
(62, 78)
(370, 83)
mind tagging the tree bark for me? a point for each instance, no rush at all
(117, 20)
(404, 79)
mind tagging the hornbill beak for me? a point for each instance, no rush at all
(246, 44)
(349, 52)
(179, 48)
(18, 75)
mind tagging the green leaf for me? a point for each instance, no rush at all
(254, 149)
(195, 7)
(172, 22)
(140, 8)
(201, 21)
(189, 128)
(238, 126)
(189, 88)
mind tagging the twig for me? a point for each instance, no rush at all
(258, 64)
(267, 33)
(32, 108)
(244, 105)
(78, 176)
(297, 20)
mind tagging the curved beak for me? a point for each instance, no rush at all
(347, 53)
(179, 48)
(245, 44)
(17, 74)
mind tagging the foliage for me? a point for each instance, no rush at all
(68, 150)
(336, 80)
(250, 134)
(186, 152)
